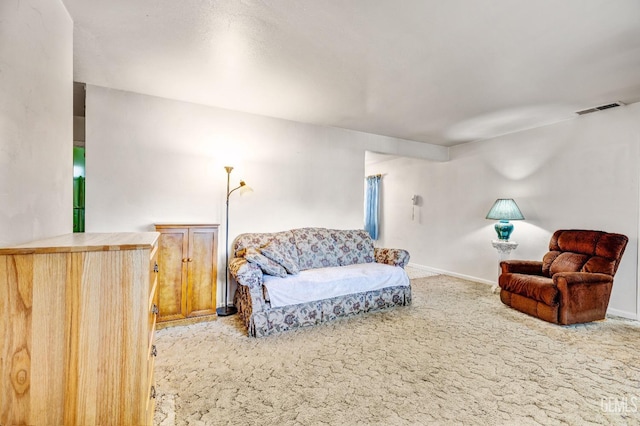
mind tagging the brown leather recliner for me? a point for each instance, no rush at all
(573, 282)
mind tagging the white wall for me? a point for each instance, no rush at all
(154, 160)
(581, 173)
(36, 155)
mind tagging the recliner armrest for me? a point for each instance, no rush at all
(529, 267)
(583, 296)
(568, 279)
(393, 257)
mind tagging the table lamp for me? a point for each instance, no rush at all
(504, 210)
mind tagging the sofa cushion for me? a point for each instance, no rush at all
(316, 248)
(611, 246)
(547, 260)
(354, 246)
(601, 265)
(267, 265)
(577, 241)
(568, 262)
(276, 251)
(324, 283)
(541, 289)
(557, 261)
(261, 239)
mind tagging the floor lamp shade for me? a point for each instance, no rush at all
(228, 309)
(504, 210)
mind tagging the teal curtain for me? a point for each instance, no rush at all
(372, 206)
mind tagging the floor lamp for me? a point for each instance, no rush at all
(226, 309)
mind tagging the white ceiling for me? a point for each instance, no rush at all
(436, 71)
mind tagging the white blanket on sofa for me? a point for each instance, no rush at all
(324, 283)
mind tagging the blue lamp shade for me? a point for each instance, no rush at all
(504, 210)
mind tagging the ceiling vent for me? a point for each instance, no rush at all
(599, 108)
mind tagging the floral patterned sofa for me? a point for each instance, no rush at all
(317, 254)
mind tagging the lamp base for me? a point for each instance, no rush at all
(504, 230)
(225, 311)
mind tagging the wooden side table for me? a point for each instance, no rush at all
(504, 248)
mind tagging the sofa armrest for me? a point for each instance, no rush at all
(246, 273)
(250, 276)
(393, 257)
(529, 267)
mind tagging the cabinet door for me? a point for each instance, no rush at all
(172, 276)
(202, 271)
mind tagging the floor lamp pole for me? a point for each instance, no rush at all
(226, 309)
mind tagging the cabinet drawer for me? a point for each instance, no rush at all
(153, 314)
(151, 405)
(151, 363)
(151, 385)
(152, 330)
(153, 302)
(151, 389)
(153, 292)
(153, 270)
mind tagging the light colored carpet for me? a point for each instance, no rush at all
(457, 355)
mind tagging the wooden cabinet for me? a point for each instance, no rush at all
(77, 320)
(187, 282)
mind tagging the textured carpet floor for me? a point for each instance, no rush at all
(457, 355)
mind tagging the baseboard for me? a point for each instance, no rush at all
(421, 267)
(185, 321)
(622, 314)
(451, 274)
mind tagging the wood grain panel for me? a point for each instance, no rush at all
(123, 280)
(72, 341)
(17, 278)
(50, 283)
(84, 304)
(202, 271)
(172, 277)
